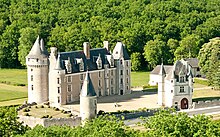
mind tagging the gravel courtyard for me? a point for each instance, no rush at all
(137, 99)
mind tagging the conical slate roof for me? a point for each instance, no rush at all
(162, 70)
(87, 88)
(43, 49)
(36, 51)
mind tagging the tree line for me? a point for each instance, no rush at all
(150, 29)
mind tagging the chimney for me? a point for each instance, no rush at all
(86, 49)
(106, 45)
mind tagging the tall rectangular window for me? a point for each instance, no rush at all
(58, 99)
(112, 81)
(58, 80)
(58, 89)
(32, 87)
(112, 90)
(69, 88)
(69, 79)
(127, 80)
(111, 72)
(81, 76)
(99, 83)
(99, 74)
(121, 81)
(121, 73)
(182, 79)
(32, 78)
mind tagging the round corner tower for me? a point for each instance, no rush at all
(88, 100)
(37, 72)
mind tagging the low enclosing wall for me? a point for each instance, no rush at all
(32, 121)
(209, 103)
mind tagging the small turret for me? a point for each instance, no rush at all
(88, 99)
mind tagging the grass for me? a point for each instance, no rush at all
(9, 92)
(13, 102)
(139, 78)
(40, 112)
(201, 81)
(13, 76)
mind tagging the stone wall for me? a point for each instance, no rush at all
(32, 121)
(208, 103)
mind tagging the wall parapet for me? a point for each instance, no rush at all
(46, 122)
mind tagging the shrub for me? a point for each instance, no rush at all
(42, 106)
(26, 114)
(26, 110)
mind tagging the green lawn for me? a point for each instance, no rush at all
(10, 92)
(13, 76)
(139, 78)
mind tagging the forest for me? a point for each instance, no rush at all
(150, 29)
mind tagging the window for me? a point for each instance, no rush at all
(121, 72)
(100, 92)
(127, 87)
(58, 99)
(181, 79)
(181, 89)
(99, 83)
(127, 80)
(112, 81)
(31, 69)
(81, 76)
(58, 90)
(99, 74)
(69, 98)
(69, 69)
(127, 64)
(37, 60)
(171, 81)
(121, 61)
(32, 87)
(116, 52)
(198, 69)
(69, 79)
(171, 91)
(81, 84)
(127, 72)
(121, 81)
(112, 72)
(81, 66)
(31, 77)
(69, 88)
(112, 90)
(58, 80)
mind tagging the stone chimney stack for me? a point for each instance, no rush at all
(106, 45)
(86, 49)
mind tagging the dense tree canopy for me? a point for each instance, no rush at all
(209, 61)
(182, 26)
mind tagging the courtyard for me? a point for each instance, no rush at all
(133, 101)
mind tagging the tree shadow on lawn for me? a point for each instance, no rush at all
(204, 99)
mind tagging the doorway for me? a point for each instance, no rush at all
(184, 103)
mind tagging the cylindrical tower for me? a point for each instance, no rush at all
(88, 100)
(37, 68)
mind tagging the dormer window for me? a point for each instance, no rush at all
(80, 63)
(182, 79)
(68, 66)
(81, 66)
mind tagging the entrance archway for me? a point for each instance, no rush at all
(184, 103)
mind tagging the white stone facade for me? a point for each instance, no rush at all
(175, 86)
(58, 77)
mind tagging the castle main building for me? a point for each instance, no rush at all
(58, 77)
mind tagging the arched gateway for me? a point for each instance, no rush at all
(184, 103)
